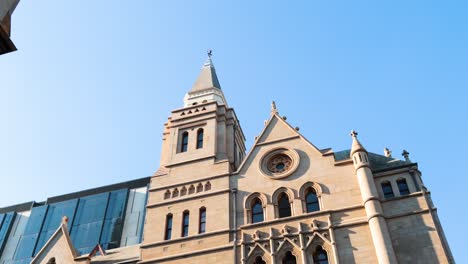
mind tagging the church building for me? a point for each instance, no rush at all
(285, 201)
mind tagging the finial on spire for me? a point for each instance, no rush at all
(388, 153)
(209, 52)
(274, 110)
(405, 154)
(356, 146)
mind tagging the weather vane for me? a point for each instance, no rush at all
(210, 53)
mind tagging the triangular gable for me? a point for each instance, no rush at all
(276, 129)
(59, 246)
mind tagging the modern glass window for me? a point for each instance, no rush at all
(200, 138)
(259, 260)
(6, 223)
(284, 207)
(312, 202)
(168, 233)
(184, 142)
(387, 190)
(185, 223)
(257, 211)
(202, 224)
(320, 256)
(289, 258)
(403, 187)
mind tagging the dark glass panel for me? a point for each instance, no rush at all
(53, 219)
(27, 243)
(25, 248)
(257, 212)
(320, 256)
(312, 203)
(284, 207)
(202, 227)
(168, 234)
(289, 258)
(185, 224)
(113, 225)
(88, 222)
(200, 139)
(5, 227)
(259, 260)
(86, 236)
(35, 220)
(184, 145)
(387, 190)
(403, 187)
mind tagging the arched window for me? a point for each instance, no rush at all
(403, 186)
(320, 256)
(168, 233)
(387, 189)
(312, 202)
(185, 223)
(289, 258)
(259, 260)
(200, 138)
(284, 207)
(51, 261)
(257, 211)
(184, 142)
(202, 222)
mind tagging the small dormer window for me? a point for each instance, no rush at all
(184, 142)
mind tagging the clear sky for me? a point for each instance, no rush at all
(84, 99)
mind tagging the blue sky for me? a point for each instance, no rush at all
(84, 99)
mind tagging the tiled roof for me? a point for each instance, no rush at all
(377, 162)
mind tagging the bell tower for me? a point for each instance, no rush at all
(205, 128)
(203, 144)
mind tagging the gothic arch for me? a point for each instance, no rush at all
(258, 251)
(318, 240)
(314, 185)
(249, 199)
(280, 190)
(248, 203)
(303, 191)
(287, 246)
(277, 195)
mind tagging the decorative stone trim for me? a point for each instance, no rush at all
(200, 187)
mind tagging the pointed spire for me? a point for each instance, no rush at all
(356, 144)
(207, 78)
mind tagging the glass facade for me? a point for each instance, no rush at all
(93, 219)
(6, 221)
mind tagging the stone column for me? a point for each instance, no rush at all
(377, 223)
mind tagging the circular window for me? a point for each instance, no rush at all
(279, 163)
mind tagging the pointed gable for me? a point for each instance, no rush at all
(276, 129)
(58, 249)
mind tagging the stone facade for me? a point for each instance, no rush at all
(355, 217)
